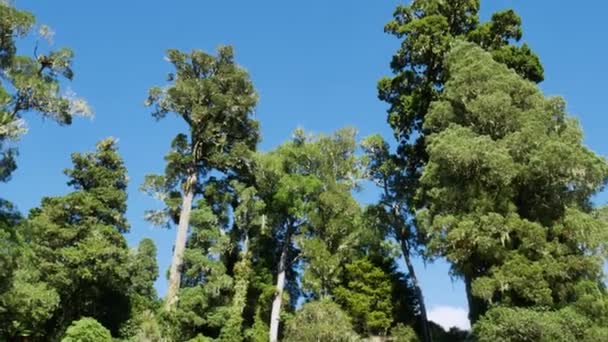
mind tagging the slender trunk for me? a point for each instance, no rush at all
(426, 332)
(278, 295)
(175, 273)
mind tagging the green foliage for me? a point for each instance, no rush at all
(215, 98)
(367, 297)
(145, 327)
(200, 338)
(218, 129)
(427, 30)
(249, 222)
(402, 333)
(87, 330)
(77, 243)
(331, 218)
(508, 187)
(143, 270)
(232, 331)
(9, 243)
(27, 305)
(320, 321)
(521, 325)
(30, 85)
(306, 186)
(206, 286)
(488, 173)
(452, 335)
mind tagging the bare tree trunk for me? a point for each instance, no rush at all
(175, 273)
(278, 295)
(426, 333)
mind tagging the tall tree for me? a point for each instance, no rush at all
(288, 188)
(312, 218)
(427, 29)
(392, 215)
(508, 189)
(143, 270)
(30, 84)
(215, 98)
(9, 243)
(249, 224)
(206, 283)
(367, 297)
(333, 230)
(77, 242)
(143, 300)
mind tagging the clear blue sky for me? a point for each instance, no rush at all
(314, 63)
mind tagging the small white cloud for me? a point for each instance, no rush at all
(449, 316)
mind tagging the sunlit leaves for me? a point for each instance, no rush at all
(507, 188)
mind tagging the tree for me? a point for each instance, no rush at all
(508, 189)
(143, 270)
(28, 304)
(392, 216)
(310, 212)
(401, 333)
(427, 30)
(320, 321)
(215, 98)
(9, 243)
(30, 84)
(77, 241)
(87, 330)
(333, 229)
(520, 324)
(367, 296)
(250, 222)
(206, 284)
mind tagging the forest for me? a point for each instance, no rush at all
(483, 170)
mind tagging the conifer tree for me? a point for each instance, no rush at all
(215, 98)
(427, 29)
(508, 190)
(9, 243)
(143, 270)
(367, 297)
(249, 226)
(312, 218)
(77, 244)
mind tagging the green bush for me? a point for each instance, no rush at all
(320, 321)
(87, 330)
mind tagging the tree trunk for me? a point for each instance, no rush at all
(477, 307)
(175, 273)
(426, 332)
(278, 295)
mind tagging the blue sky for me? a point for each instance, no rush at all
(315, 64)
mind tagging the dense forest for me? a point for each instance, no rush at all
(483, 171)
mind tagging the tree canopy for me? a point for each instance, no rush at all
(487, 173)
